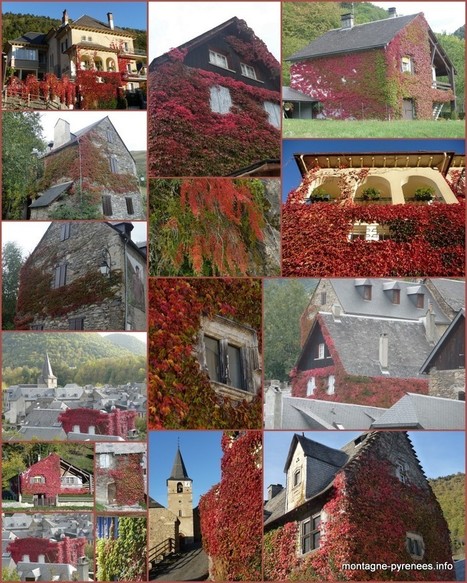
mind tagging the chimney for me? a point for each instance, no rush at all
(65, 17)
(82, 568)
(273, 490)
(383, 352)
(392, 12)
(430, 325)
(336, 312)
(124, 229)
(61, 133)
(347, 20)
(110, 18)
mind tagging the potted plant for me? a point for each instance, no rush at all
(319, 194)
(371, 194)
(424, 193)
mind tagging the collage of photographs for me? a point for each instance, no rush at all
(233, 291)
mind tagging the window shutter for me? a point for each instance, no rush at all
(63, 269)
(65, 231)
(221, 102)
(201, 352)
(274, 113)
(107, 205)
(129, 205)
(247, 358)
(224, 375)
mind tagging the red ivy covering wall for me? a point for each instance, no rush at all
(64, 551)
(49, 88)
(370, 84)
(377, 391)
(427, 240)
(231, 512)
(114, 423)
(48, 468)
(186, 138)
(179, 392)
(128, 476)
(368, 516)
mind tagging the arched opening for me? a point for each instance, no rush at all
(416, 184)
(85, 63)
(110, 65)
(375, 189)
(179, 488)
(98, 64)
(326, 189)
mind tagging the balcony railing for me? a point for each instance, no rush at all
(441, 85)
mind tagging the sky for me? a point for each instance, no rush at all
(173, 23)
(291, 176)
(141, 336)
(27, 234)
(201, 451)
(446, 19)
(126, 14)
(440, 452)
(131, 125)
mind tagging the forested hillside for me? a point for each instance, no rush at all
(15, 25)
(450, 492)
(303, 22)
(80, 358)
(127, 342)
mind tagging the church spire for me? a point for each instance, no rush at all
(178, 469)
(47, 377)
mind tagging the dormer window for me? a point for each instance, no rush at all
(218, 59)
(420, 300)
(297, 477)
(248, 71)
(407, 65)
(396, 296)
(367, 292)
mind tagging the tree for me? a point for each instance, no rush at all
(22, 133)
(455, 49)
(10, 574)
(12, 261)
(13, 464)
(283, 305)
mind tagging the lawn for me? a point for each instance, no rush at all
(307, 128)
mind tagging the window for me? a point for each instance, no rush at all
(415, 545)
(125, 47)
(104, 460)
(65, 231)
(401, 471)
(37, 480)
(311, 533)
(407, 65)
(36, 327)
(113, 165)
(110, 136)
(224, 362)
(248, 71)
(107, 205)
(179, 488)
(220, 99)
(218, 59)
(321, 350)
(25, 54)
(367, 292)
(310, 386)
(60, 276)
(90, 39)
(83, 38)
(297, 477)
(70, 481)
(129, 205)
(274, 113)
(396, 296)
(420, 300)
(323, 298)
(331, 381)
(76, 324)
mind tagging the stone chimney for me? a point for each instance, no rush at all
(430, 325)
(392, 12)
(274, 490)
(347, 20)
(61, 133)
(82, 568)
(65, 17)
(336, 312)
(110, 18)
(383, 351)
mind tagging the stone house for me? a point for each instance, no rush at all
(84, 276)
(82, 44)
(48, 479)
(386, 69)
(228, 352)
(92, 164)
(121, 475)
(223, 84)
(337, 504)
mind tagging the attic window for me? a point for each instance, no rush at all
(248, 71)
(37, 480)
(297, 478)
(407, 65)
(113, 165)
(220, 99)
(310, 534)
(401, 471)
(396, 296)
(367, 292)
(110, 136)
(420, 300)
(218, 59)
(323, 298)
(415, 545)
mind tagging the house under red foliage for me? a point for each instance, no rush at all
(387, 69)
(37, 550)
(94, 422)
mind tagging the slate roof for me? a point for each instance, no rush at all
(46, 571)
(381, 299)
(303, 413)
(275, 507)
(356, 340)
(415, 411)
(451, 290)
(86, 21)
(42, 418)
(35, 38)
(40, 433)
(179, 471)
(360, 37)
(50, 195)
(289, 94)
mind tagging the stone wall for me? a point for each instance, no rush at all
(446, 383)
(163, 524)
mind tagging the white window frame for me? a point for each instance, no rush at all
(401, 471)
(310, 386)
(248, 71)
(331, 385)
(220, 99)
(407, 65)
(274, 113)
(218, 59)
(321, 351)
(104, 460)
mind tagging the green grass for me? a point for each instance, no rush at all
(308, 128)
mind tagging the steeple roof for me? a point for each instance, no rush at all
(178, 469)
(47, 368)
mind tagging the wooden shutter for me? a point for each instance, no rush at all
(129, 205)
(107, 205)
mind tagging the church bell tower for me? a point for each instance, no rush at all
(180, 496)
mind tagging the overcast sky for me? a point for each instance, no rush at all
(27, 234)
(131, 125)
(441, 16)
(173, 23)
(141, 336)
